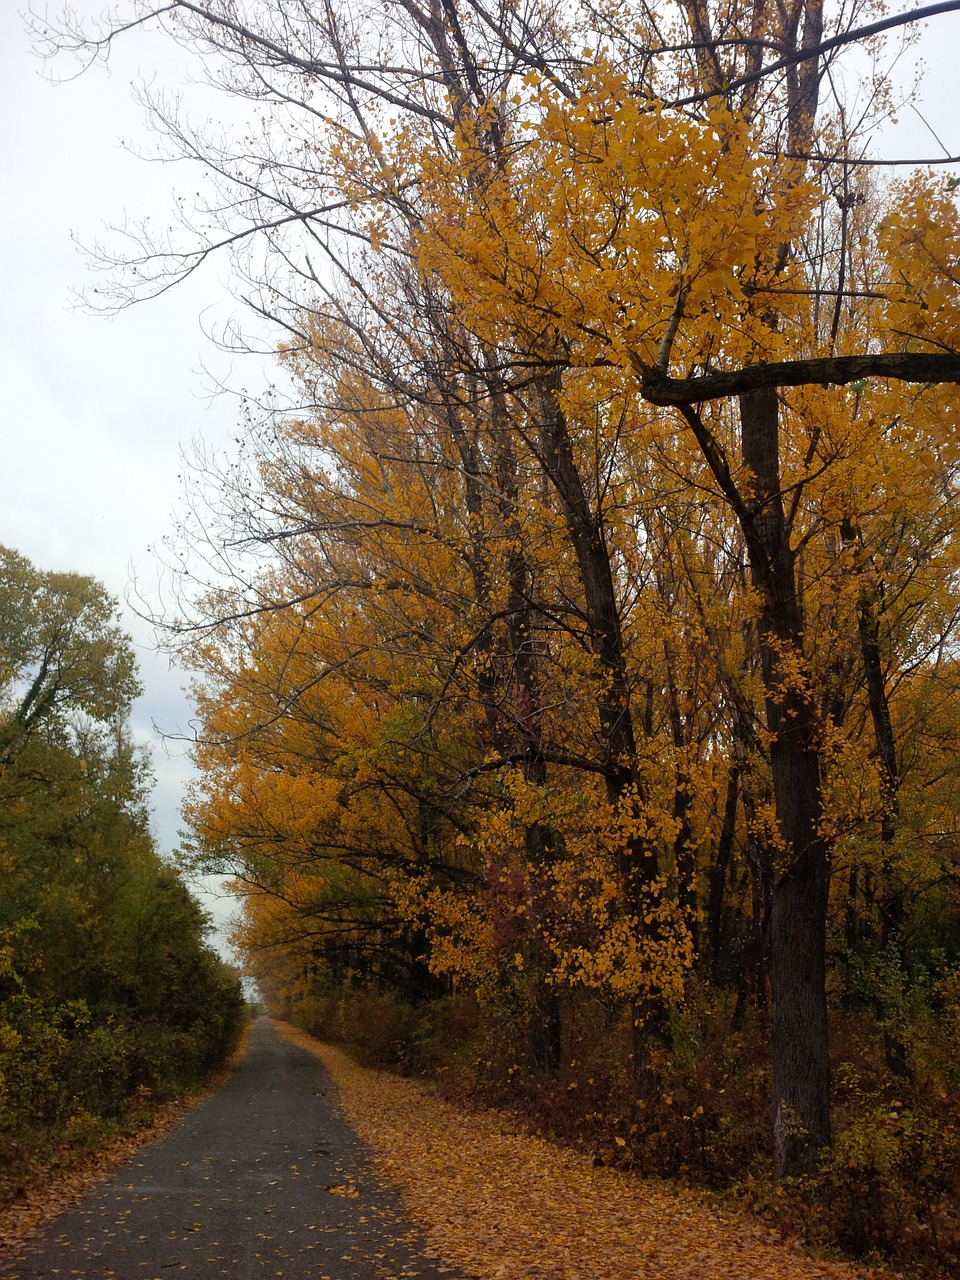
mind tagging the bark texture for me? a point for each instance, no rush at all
(800, 1051)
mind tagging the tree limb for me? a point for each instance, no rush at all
(905, 366)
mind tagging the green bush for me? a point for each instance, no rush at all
(892, 1178)
(379, 1027)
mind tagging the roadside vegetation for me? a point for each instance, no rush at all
(111, 1001)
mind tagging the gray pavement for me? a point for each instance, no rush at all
(263, 1178)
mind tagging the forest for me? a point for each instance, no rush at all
(576, 667)
(111, 1001)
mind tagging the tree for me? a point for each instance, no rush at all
(62, 653)
(608, 234)
(108, 991)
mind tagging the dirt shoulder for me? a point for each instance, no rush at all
(504, 1205)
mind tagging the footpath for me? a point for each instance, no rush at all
(264, 1178)
(305, 1165)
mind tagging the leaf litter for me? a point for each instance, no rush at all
(505, 1205)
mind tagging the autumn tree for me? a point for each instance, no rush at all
(671, 297)
(603, 239)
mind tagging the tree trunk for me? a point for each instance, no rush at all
(718, 876)
(639, 863)
(801, 1062)
(800, 1049)
(684, 852)
(637, 858)
(893, 911)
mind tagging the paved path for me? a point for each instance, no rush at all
(264, 1178)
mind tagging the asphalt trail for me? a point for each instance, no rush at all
(264, 1178)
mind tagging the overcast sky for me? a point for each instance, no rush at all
(95, 413)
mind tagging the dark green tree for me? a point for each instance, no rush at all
(109, 994)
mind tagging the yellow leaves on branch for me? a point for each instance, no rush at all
(634, 963)
(633, 232)
(597, 946)
(612, 218)
(920, 239)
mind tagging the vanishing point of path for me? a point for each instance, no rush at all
(264, 1178)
